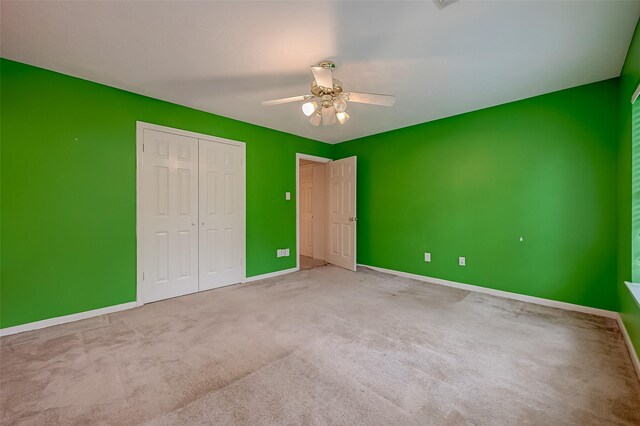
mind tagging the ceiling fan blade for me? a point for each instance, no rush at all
(372, 98)
(323, 76)
(286, 100)
(328, 116)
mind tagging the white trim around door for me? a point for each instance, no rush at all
(140, 128)
(299, 157)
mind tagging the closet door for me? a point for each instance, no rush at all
(170, 209)
(221, 214)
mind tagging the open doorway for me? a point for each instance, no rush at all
(326, 218)
(312, 211)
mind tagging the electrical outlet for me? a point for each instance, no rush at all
(287, 195)
(427, 257)
(462, 261)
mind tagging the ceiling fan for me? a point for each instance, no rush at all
(327, 103)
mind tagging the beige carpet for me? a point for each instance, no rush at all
(324, 346)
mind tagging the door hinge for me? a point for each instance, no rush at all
(142, 147)
(143, 276)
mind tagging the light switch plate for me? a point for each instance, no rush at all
(427, 257)
(462, 261)
(287, 195)
(286, 252)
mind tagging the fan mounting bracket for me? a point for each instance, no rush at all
(319, 91)
(327, 64)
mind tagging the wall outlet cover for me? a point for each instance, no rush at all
(427, 257)
(287, 195)
(462, 261)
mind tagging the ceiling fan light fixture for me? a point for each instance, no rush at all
(342, 117)
(309, 108)
(316, 119)
(340, 105)
(327, 102)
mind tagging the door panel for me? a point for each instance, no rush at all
(221, 214)
(342, 213)
(170, 210)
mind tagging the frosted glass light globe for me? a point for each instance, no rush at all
(315, 119)
(340, 105)
(309, 108)
(342, 117)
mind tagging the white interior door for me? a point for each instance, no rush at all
(306, 210)
(341, 191)
(221, 214)
(170, 215)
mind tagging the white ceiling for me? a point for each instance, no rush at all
(226, 57)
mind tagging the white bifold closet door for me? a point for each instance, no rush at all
(170, 198)
(193, 215)
(221, 214)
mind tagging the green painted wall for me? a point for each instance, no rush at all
(544, 168)
(628, 268)
(68, 190)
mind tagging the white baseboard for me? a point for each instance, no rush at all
(632, 350)
(501, 293)
(108, 310)
(270, 275)
(65, 319)
(524, 298)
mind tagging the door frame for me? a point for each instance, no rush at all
(300, 156)
(141, 126)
